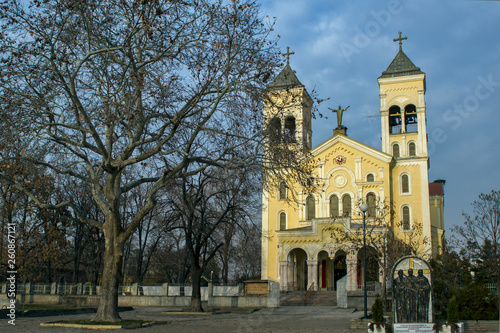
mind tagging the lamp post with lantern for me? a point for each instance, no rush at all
(364, 208)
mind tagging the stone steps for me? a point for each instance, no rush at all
(296, 298)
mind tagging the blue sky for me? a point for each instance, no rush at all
(342, 47)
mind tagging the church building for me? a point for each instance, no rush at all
(299, 219)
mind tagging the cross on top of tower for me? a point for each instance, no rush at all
(400, 39)
(287, 55)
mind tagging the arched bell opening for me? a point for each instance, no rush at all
(395, 123)
(411, 122)
(290, 130)
(274, 129)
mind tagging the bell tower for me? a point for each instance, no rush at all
(287, 110)
(402, 107)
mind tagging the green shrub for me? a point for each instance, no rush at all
(452, 311)
(377, 311)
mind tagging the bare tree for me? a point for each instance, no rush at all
(480, 235)
(150, 232)
(109, 86)
(208, 203)
(247, 253)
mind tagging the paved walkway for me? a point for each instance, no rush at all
(285, 319)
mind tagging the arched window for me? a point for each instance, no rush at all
(370, 177)
(334, 206)
(371, 200)
(311, 207)
(275, 129)
(411, 118)
(395, 150)
(405, 184)
(346, 205)
(395, 124)
(283, 195)
(283, 221)
(412, 149)
(289, 129)
(405, 223)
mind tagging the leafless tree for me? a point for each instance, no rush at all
(110, 86)
(480, 235)
(207, 204)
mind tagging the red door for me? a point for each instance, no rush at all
(323, 274)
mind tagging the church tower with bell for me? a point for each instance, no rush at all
(302, 234)
(402, 107)
(287, 109)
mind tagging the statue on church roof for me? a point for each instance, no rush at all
(339, 112)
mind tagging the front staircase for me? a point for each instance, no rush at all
(299, 298)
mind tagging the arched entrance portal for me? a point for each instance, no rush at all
(372, 269)
(297, 273)
(340, 267)
(325, 272)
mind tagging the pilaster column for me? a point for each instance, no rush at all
(284, 275)
(352, 276)
(291, 273)
(312, 274)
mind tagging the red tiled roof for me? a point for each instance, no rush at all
(436, 189)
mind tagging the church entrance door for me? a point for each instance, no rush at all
(325, 271)
(372, 269)
(298, 278)
(340, 267)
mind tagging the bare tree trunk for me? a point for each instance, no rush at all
(108, 303)
(384, 286)
(196, 293)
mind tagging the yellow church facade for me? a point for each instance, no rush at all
(298, 248)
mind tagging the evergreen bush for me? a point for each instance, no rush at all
(452, 310)
(377, 311)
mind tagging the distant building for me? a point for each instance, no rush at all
(297, 248)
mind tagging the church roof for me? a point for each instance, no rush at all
(401, 66)
(386, 158)
(286, 78)
(436, 189)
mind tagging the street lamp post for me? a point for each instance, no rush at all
(364, 207)
(384, 236)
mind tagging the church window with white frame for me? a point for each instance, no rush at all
(282, 221)
(405, 218)
(334, 206)
(371, 201)
(412, 149)
(405, 184)
(282, 191)
(395, 150)
(310, 207)
(346, 205)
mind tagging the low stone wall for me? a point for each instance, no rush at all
(214, 301)
(481, 325)
(238, 301)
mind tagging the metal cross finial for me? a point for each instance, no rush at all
(288, 54)
(400, 39)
